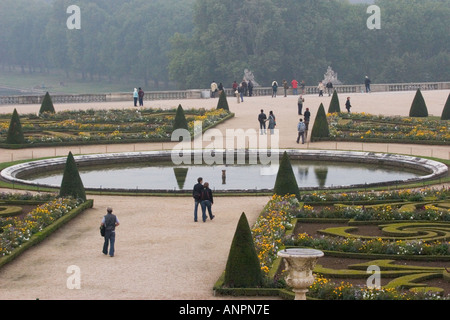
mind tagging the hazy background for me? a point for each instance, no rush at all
(180, 44)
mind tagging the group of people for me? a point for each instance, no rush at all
(243, 89)
(294, 85)
(203, 196)
(138, 95)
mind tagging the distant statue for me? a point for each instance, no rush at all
(330, 75)
(248, 75)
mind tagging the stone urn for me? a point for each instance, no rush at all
(300, 264)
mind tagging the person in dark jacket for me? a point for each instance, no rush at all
(348, 105)
(110, 222)
(141, 97)
(207, 201)
(197, 195)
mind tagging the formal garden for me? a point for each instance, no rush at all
(404, 233)
(100, 126)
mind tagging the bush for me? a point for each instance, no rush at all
(320, 128)
(418, 107)
(243, 268)
(285, 182)
(47, 105)
(15, 132)
(223, 102)
(446, 111)
(71, 185)
(180, 121)
(334, 104)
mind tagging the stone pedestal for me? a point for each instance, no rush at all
(300, 264)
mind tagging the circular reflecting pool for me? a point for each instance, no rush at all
(153, 171)
(164, 176)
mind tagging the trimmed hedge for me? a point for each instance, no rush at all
(71, 184)
(243, 268)
(320, 128)
(47, 105)
(418, 107)
(285, 182)
(15, 133)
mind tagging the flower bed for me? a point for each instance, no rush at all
(106, 126)
(373, 128)
(274, 230)
(18, 233)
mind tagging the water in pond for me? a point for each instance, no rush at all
(164, 176)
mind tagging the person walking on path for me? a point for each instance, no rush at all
(197, 195)
(301, 128)
(262, 121)
(272, 122)
(320, 87)
(241, 90)
(207, 201)
(300, 104)
(250, 88)
(367, 84)
(330, 88)
(141, 97)
(244, 87)
(303, 85)
(135, 96)
(294, 84)
(348, 105)
(285, 87)
(307, 119)
(274, 89)
(110, 221)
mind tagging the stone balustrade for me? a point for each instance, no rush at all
(205, 93)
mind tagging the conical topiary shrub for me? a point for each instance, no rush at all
(71, 185)
(285, 182)
(243, 269)
(15, 132)
(446, 111)
(180, 121)
(320, 128)
(223, 102)
(47, 105)
(418, 107)
(334, 104)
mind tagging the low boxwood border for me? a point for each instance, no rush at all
(46, 232)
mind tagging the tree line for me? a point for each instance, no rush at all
(193, 42)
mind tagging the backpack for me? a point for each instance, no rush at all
(302, 127)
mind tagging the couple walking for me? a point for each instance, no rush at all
(262, 119)
(202, 195)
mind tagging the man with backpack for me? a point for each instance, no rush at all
(110, 222)
(301, 127)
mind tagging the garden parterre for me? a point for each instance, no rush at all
(275, 229)
(379, 128)
(117, 125)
